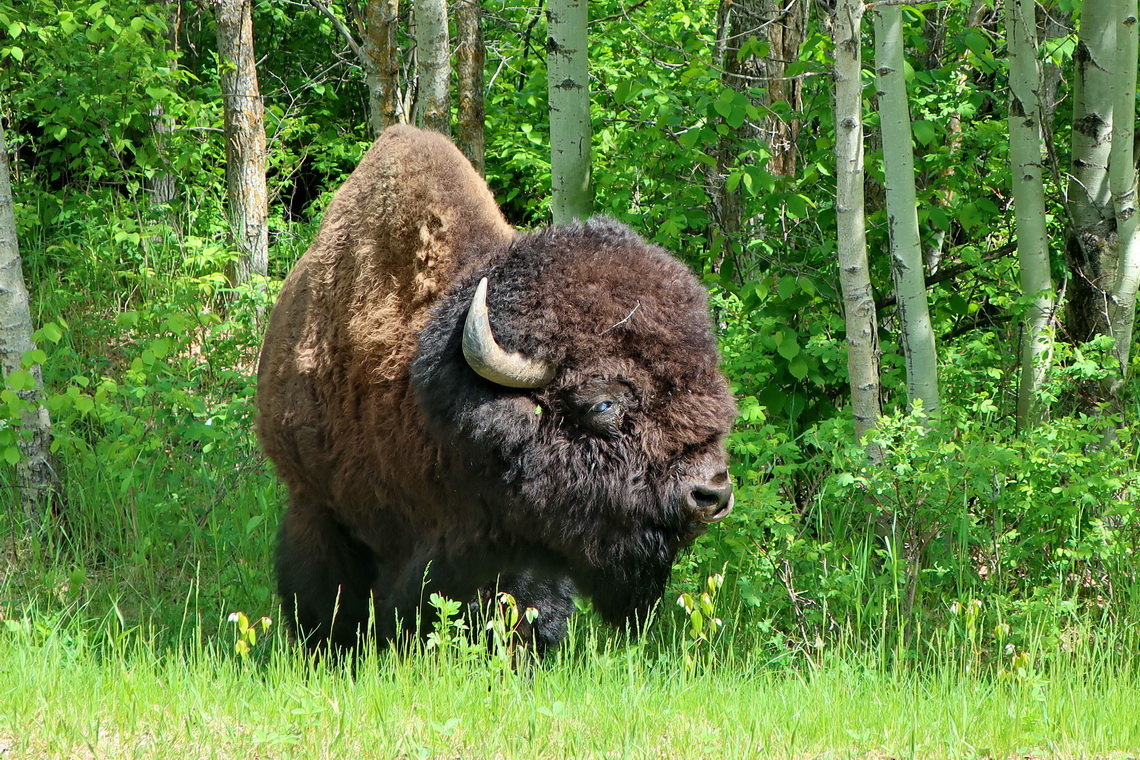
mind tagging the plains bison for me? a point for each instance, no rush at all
(456, 406)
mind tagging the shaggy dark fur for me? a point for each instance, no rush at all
(408, 473)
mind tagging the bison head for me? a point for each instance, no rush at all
(574, 386)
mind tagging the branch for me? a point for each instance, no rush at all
(344, 32)
(950, 273)
(881, 3)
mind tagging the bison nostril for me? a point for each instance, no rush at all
(706, 498)
(712, 501)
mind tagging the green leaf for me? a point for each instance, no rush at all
(52, 332)
(16, 53)
(798, 367)
(924, 132)
(787, 347)
(798, 205)
(34, 357)
(12, 455)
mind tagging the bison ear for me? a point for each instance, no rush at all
(490, 360)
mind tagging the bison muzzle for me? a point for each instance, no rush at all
(457, 406)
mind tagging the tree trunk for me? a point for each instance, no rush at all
(162, 187)
(36, 478)
(1029, 204)
(433, 66)
(470, 55)
(1122, 181)
(854, 273)
(1088, 247)
(782, 24)
(245, 141)
(382, 70)
(379, 56)
(569, 91)
(916, 333)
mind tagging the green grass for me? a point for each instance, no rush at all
(70, 690)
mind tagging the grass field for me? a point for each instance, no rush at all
(72, 690)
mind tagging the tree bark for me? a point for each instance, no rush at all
(36, 477)
(433, 66)
(916, 333)
(1088, 247)
(381, 60)
(1123, 181)
(470, 56)
(245, 141)
(379, 56)
(568, 87)
(854, 273)
(1029, 204)
(162, 187)
(782, 24)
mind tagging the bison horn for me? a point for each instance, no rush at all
(492, 361)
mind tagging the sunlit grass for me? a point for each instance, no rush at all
(80, 688)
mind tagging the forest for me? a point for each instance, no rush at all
(917, 225)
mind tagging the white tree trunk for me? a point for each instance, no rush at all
(569, 91)
(36, 478)
(1122, 181)
(1087, 250)
(917, 334)
(1029, 203)
(433, 66)
(854, 273)
(245, 140)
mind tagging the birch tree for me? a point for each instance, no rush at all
(569, 95)
(854, 273)
(916, 332)
(1029, 202)
(1122, 182)
(248, 202)
(470, 55)
(36, 478)
(433, 66)
(1089, 199)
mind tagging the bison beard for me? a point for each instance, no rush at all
(567, 439)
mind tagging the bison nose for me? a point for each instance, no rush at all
(711, 502)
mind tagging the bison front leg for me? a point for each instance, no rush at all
(325, 578)
(542, 604)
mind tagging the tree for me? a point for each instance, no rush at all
(378, 53)
(36, 478)
(248, 204)
(568, 88)
(1089, 199)
(470, 56)
(1122, 182)
(854, 274)
(1029, 202)
(162, 185)
(433, 66)
(756, 41)
(915, 331)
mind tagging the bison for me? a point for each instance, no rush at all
(456, 406)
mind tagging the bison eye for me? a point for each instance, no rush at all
(601, 407)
